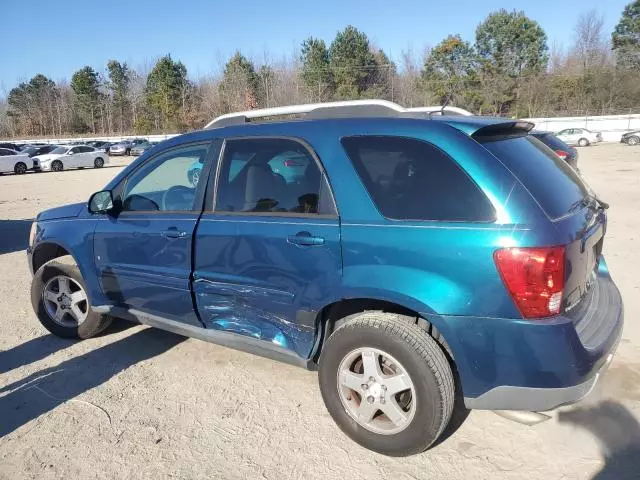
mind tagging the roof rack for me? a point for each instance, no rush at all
(446, 110)
(327, 110)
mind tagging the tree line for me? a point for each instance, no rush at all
(509, 69)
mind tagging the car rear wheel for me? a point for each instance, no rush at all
(57, 166)
(98, 162)
(20, 168)
(386, 383)
(633, 140)
(59, 298)
(583, 142)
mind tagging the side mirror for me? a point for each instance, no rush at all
(70, 152)
(101, 202)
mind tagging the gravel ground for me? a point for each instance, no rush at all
(141, 403)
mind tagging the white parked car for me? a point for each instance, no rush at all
(12, 161)
(70, 156)
(579, 136)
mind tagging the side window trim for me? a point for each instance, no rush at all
(211, 200)
(119, 189)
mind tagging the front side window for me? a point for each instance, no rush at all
(164, 183)
(409, 179)
(271, 175)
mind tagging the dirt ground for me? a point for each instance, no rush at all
(141, 403)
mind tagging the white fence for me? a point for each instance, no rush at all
(65, 140)
(611, 126)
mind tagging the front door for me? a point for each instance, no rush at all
(143, 254)
(268, 256)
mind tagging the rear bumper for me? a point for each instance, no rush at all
(531, 399)
(537, 365)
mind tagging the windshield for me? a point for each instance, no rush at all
(59, 150)
(552, 182)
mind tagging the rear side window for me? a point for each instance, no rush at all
(271, 175)
(409, 179)
(552, 182)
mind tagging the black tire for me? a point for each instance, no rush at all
(583, 142)
(98, 162)
(90, 327)
(422, 359)
(20, 168)
(633, 140)
(57, 166)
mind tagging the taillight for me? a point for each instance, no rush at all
(562, 154)
(534, 278)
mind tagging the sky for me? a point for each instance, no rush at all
(56, 38)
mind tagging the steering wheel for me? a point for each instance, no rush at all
(178, 197)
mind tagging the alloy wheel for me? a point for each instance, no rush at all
(376, 391)
(65, 301)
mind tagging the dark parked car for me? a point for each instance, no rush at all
(631, 138)
(35, 150)
(564, 151)
(10, 146)
(412, 261)
(100, 145)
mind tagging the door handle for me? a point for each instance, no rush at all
(173, 232)
(305, 239)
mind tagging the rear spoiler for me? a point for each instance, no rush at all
(516, 128)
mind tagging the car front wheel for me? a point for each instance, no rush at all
(98, 163)
(386, 383)
(633, 140)
(583, 142)
(59, 298)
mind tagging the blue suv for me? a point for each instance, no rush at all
(422, 263)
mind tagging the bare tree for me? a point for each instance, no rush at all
(590, 47)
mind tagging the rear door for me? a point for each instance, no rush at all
(86, 156)
(6, 163)
(268, 247)
(72, 158)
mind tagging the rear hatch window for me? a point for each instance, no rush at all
(553, 183)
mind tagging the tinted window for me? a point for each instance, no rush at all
(256, 176)
(551, 181)
(4, 152)
(412, 180)
(163, 184)
(84, 149)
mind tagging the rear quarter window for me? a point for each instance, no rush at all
(409, 179)
(550, 180)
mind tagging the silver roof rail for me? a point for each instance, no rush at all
(242, 117)
(344, 108)
(447, 109)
